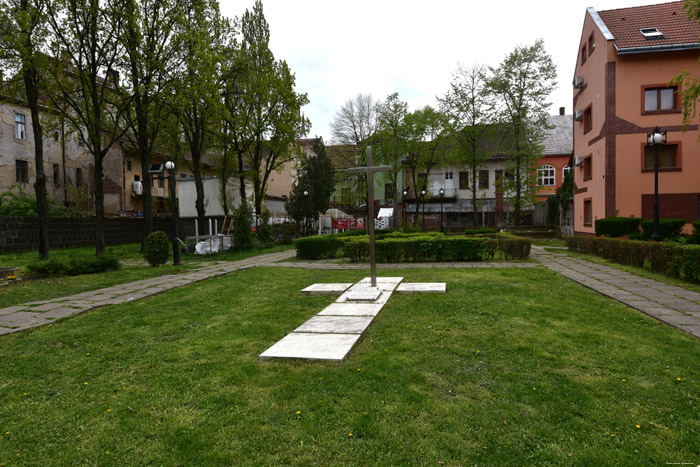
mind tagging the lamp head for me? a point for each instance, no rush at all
(306, 193)
(170, 165)
(422, 192)
(442, 192)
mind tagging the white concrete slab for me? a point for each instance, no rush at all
(383, 283)
(418, 287)
(336, 324)
(351, 309)
(368, 294)
(326, 289)
(308, 346)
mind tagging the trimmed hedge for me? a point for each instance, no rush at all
(480, 231)
(617, 226)
(670, 260)
(156, 248)
(668, 228)
(73, 267)
(695, 237)
(318, 246)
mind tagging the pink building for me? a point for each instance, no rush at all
(626, 60)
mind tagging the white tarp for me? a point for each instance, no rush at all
(213, 245)
(385, 213)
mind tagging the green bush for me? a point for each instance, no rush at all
(264, 232)
(668, 228)
(51, 266)
(689, 259)
(285, 233)
(480, 231)
(512, 247)
(695, 237)
(617, 226)
(319, 246)
(73, 267)
(156, 248)
(243, 238)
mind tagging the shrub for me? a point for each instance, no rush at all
(264, 231)
(689, 259)
(668, 228)
(155, 248)
(285, 233)
(73, 267)
(695, 237)
(319, 246)
(480, 231)
(51, 266)
(512, 247)
(617, 226)
(243, 238)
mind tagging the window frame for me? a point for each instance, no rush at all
(588, 211)
(587, 167)
(484, 179)
(564, 170)
(584, 55)
(56, 174)
(541, 176)
(591, 44)
(588, 119)
(678, 159)
(20, 126)
(21, 171)
(465, 185)
(449, 175)
(658, 87)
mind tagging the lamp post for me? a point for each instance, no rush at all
(306, 202)
(656, 138)
(422, 194)
(170, 166)
(442, 198)
(405, 195)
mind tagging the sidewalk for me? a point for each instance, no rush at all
(672, 305)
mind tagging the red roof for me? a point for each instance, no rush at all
(669, 18)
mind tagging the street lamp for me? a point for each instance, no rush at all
(442, 198)
(656, 138)
(170, 167)
(422, 193)
(306, 201)
(405, 195)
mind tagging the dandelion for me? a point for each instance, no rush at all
(358, 369)
(638, 426)
(624, 380)
(349, 434)
(678, 379)
(109, 410)
(88, 354)
(85, 382)
(534, 389)
(298, 412)
(25, 393)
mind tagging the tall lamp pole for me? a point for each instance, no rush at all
(422, 193)
(170, 166)
(405, 196)
(306, 202)
(442, 198)
(656, 138)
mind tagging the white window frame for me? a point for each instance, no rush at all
(448, 175)
(546, 175)
(564, 171)
(20, 126)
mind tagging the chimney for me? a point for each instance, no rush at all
(562, 110)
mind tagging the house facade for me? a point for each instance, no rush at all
(625, 63)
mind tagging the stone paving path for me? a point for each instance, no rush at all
(672, 305)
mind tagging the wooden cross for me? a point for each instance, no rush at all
(369, 170)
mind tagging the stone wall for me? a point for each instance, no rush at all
(21, 233)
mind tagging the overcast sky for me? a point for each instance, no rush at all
(338, 49)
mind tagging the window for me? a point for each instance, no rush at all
(651, 33)
(448, 175)
(588, 119)
(20, 126)
(81, 141)
(584, 55)
(128, 165)
(21, 171)
(591, 44)
(565, 172)
(56, 175)
(57, 135)
(483, 179)
(464, 180)
(137, 178)
(587, 168)
(588, 212)
(669, 157)
(78, 178)
(388, 191)
(546, 175)
(661, 99)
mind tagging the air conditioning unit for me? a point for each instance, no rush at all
(578, 161)
(578, 115)
(137, 188)
(578, 82)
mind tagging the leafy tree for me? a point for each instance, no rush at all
(522, 84)
(391, 139)
(84, 87)
(148, 64)
(689, 84)
(467, 107)
(243, 238)
(23, 35)
(316, 176)
(426, 147)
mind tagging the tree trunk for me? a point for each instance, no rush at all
(518, 190)
(146, 198)
(241, 178)
(99, 205)
(474, 196)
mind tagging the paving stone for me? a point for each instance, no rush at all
(694, 330)
(681, 320)
(308, 346)
(351, 309)
(47, 307)
(336, 324)
(58, 313)
(435, 287)
(18, 316)
(383, 283)
(11, 309)
(326, 289)
(368, 294)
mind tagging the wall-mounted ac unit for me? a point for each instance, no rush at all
(578, 82)
(578, 115)
(578, 161)
(137, 188)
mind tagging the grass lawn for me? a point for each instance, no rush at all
(46, 288)
(510, 367)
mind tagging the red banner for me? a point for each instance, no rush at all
(348, 223)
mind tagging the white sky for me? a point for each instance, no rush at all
(338, 49)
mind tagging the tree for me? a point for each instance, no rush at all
(23, 36)
(317, 178)
(194, 101)
(390, 138)
(148, 64)
(467, 107)
(523, 83)
(84, 85)
(426, 147)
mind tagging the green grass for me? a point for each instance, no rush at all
(510, 367)
(31, 289)
(549, 242)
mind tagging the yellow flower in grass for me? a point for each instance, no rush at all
(678, 379)
(638, 426)
(298, 412)
(349, 434)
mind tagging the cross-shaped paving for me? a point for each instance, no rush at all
(332, 333)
